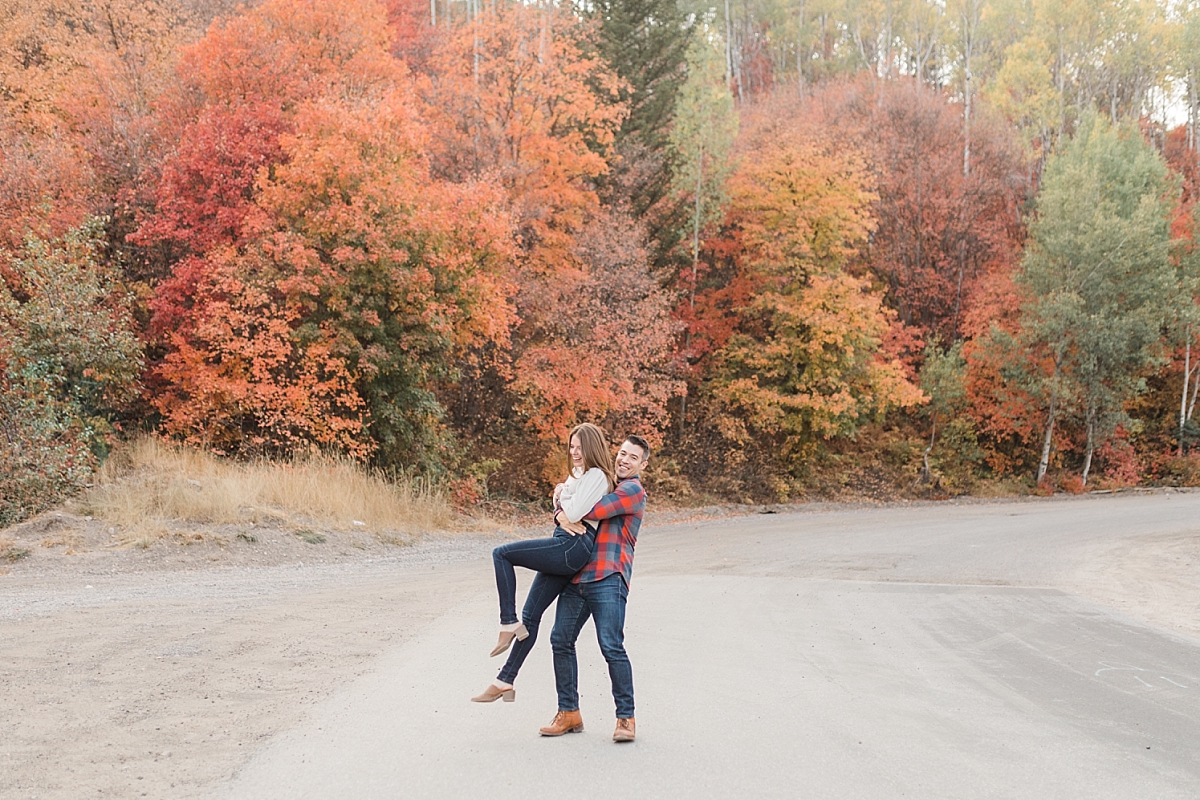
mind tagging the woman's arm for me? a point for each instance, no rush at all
(592, 486)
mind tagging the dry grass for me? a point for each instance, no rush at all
(150, 484)
(1000, 488)
(70, 539)
(10, 552)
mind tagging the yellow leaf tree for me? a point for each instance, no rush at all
(805, 362)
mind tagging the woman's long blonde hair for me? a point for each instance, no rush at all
(596, 452)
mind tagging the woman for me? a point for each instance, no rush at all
(555, 559)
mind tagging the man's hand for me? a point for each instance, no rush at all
(573, 528)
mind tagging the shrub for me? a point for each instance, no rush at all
(68, 362)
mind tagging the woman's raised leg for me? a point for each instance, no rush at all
(548, 556)
(544, 591)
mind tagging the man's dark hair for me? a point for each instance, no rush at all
(633, 438)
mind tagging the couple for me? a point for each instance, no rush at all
(587, 565)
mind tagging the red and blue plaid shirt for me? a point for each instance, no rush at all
(620, 517)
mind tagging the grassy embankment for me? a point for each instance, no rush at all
(150, 489)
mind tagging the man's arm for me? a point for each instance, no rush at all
(563, 521)
(624, 500)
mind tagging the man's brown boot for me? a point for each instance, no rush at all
(626, 730)
(564, 722)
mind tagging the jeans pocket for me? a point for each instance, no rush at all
(579, 553)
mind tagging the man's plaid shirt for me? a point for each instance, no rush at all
(620, 516)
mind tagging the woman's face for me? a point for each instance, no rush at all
(576, 450)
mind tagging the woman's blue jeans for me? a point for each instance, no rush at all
(561, 554)
(544, 591)
(552, 577)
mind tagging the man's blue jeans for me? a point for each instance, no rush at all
(603, 601)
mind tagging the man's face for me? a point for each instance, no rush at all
(631, 460)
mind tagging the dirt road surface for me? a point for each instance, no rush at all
(1044, 648)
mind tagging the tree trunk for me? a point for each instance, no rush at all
(800, 56)
(1044, 463)
(1192, 110)
(473, 15)
(1183, 396)
(1091, 444)
(1195, 391)
(737, 73)
(1045, 460)
(696, 222)
(962, 246)
(926, 472)
(728, 45)
(695, 274)
(920, 209)
(967, 121)
(968, 51)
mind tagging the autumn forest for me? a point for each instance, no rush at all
(806, 247)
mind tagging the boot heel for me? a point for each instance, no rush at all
(506, 639)
(491, 694)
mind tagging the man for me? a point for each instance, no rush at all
(600, 591)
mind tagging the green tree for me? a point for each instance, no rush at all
(646, 44)
(1184, 324)
(69, 363)
(706, 126)
(1060, 60)
(1098, 268)
(1186, 63)
(943, 380)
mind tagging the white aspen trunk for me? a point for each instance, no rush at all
(800, 52)
(927, 473)
(968, 52)
(1183, 396)
(1044, 463)
(696, 224)
(1062, 109)
(728, 45)
(1192, 104)
(737, 71)
(473, 16)
(433, 13)
(1091, 445)
(1195, 391)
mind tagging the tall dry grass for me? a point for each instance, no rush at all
(149, 483)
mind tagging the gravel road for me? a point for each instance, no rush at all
(1046, 648)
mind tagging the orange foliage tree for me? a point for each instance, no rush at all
(327, 280)
(514, 95)
(1002, 407)
(939, 230)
